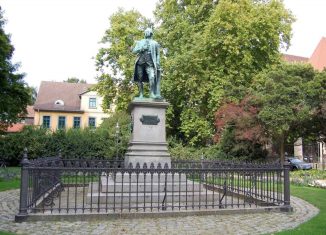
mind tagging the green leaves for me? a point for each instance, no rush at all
(285, 102)
(115, 60)
(73, 143)
(212, 49)
(288, 95)
(282, 92)
(14, 94)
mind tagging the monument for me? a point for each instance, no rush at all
(147, 66)
(148, 142)
(147, 145)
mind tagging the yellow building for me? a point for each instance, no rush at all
(62, 105)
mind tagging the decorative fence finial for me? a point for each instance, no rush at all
(60, 153)
(25, 160)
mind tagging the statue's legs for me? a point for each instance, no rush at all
(151, 78)
(141, 89)
(158, 88)
(140, 75)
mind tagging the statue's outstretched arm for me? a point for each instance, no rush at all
(138, 48)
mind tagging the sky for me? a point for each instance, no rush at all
(58, 39)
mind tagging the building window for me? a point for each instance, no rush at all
(46, 121)
(61, 122)
(76, 122)
(92, 103)
(91, 122)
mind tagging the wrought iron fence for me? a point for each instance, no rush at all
(59, 186)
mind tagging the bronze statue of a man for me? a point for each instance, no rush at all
(147, 67)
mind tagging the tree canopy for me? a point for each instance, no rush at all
(315, 129)
(282, 93)
(14, 94)
(286, 102)
(75, 80)
(212, 49)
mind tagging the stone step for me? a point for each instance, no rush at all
(176, 197)
(143, 178)
(148, 153)
(112, 186)
(138, 145)
(156, 207)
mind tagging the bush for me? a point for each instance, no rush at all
(9, 173)
(12, 145)
(73, 143)
(180, 152)
(306, 178)
(232, 148)
(109, 125)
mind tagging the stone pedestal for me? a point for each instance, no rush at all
(148, 145)
(129, 190)
(148, 141)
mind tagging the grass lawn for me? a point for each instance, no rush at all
(317, 197)
(10, 184)
(9, 178)
(6, 233)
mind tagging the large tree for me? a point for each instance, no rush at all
(14, 94)
(211, 50)
(214, 48)
(287, 96)
(286, 101)
(315, 129)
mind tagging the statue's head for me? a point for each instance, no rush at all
(148, 33)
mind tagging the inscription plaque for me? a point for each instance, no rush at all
(149, 120)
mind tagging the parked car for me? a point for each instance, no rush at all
(297, 164)
(308, 158)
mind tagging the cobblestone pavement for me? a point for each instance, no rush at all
(259, 223)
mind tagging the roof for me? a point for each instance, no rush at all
(17, 127)
(69, 93)
(318, 57)
(294, 58)
(30, 111)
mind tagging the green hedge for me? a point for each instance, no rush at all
(232, 151)
(101, 143)
(73, 143)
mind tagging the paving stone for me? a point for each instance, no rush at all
(258, 223)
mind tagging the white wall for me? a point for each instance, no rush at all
(97, 112)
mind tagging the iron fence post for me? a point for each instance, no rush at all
(286, 167)
(202, 167)
(22, 215)
(117, 139)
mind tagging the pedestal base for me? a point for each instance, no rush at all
(148, 143)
